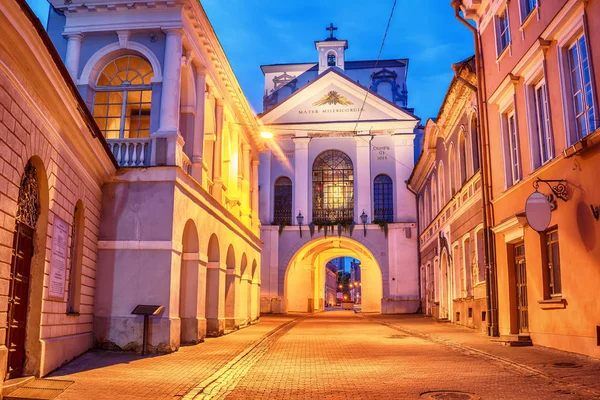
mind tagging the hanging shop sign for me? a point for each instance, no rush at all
(539, 207)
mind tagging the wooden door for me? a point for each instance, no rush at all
(17, 299)
(521, 281)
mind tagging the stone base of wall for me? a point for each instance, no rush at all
(474, 318)
(126, 333)
(193, 330)
(271, 305)
(399, 306)
(571, 343)
(60, 350)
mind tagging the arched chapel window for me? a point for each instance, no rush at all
(333, 188)
(331, 60)
(474, 144)
(384, 199)
(123, 98)
(463, 158)
(282, 204)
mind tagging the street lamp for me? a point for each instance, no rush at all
(300, 219)
(363, 219)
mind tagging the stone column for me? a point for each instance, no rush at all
(232, 300)
(73, 54)
(217, 189)
(244, 305)
(198, 147)
(169, 103)
(254, 194)
(362, 183)
(246, 210)
(301, 170)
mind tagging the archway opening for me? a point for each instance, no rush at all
(189, 311)
(306, 276)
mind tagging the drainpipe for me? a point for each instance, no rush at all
(420, 309)
(486, 179)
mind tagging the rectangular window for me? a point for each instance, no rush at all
(502, 31)
(527, 6)
(553, 263)
(513, 140)
(542, 123)
(581, 88)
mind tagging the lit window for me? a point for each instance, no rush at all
(463, 158)
(553, 263)
(282, 204)
(384, 199)
(474, 144)
(123, 98)
(502, 30)
(333, 188)
(581, 84)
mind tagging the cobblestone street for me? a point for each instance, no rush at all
(337, 355)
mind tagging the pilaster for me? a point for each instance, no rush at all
(363, 174)
(301, 174)
(198, 147)
(217, 188)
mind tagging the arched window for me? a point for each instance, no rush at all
(282, 204)
(427, 211)
(331, 60)
(76, 260)
(462, 153)
(441, 186)
(333, 188)
(434, 197)
(451, 170)
(474, 144)
(421, 216)
(383, 195)
(123, 98)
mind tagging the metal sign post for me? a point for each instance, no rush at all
(146, 311)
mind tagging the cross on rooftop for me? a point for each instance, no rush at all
(331, 29)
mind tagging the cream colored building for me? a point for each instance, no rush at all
(129, 163)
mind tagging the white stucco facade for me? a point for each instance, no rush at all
(376, 132)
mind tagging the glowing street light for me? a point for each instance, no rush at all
(266, 135)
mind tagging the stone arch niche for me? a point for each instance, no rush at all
(232, 285)
(305, 274)
(215, 289)
(29, 253)
(190, 313)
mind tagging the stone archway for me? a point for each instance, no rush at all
(305, 274)
(232, 287)
(445, 287)
(189, 312)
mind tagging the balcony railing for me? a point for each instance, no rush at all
(130, 152)
(186, 163)
(333, 216)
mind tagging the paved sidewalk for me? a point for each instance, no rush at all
(535, 359)
(100, 375)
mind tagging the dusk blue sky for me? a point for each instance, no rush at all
(257, 32)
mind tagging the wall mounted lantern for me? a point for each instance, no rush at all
(300, 220)
(363, 219)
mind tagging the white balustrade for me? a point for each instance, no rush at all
(186, 163)
(130, 152)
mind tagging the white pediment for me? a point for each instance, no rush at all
(333, 98)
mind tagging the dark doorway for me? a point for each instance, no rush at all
(17, 299)
(521, 281)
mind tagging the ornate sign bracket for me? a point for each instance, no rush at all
(558, 187)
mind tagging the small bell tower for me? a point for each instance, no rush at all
(331, 51)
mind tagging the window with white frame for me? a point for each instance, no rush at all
(512, 158)
(502, 31)
(542, 146)
(581, 89)
(527, 7)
